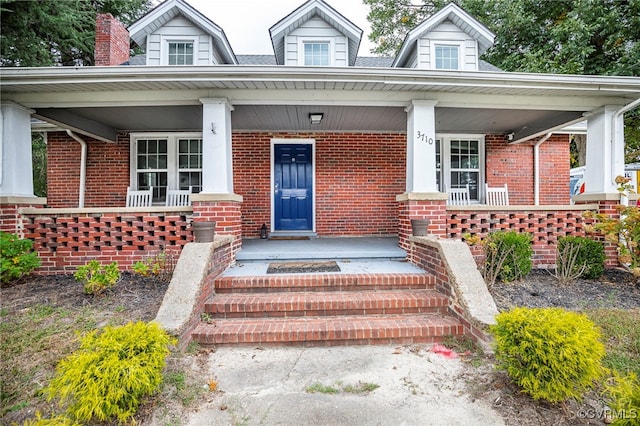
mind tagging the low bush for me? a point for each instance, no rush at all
(551, 353)
(96, 277)
(580, 257)
(625, 400)
(111, 372)
(507, 256)
(17, 257)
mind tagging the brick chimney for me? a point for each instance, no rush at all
(112, 41)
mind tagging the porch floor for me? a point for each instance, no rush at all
(358, 255)
(360, 248)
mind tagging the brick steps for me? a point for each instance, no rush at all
(326, 309)
(329, 331)
(253, 305)
(322, 282)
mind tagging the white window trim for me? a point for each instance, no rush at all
(164, 48)
(172, 155)
(311, 142)
(304, 40)
(445, 160)
(435, 43)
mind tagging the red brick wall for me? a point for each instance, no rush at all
(513, 165)
(107, 171)
(112, 41)
(358, 176)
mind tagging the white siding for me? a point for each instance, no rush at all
(317, 30)
(175, 29)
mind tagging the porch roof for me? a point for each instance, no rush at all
(99, 101)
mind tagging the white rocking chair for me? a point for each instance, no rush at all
(459, 196)
(497, 196)
(178, 197)
(142, 198)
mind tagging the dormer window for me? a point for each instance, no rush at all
(178, 51)
(316, 54)
(447, 56)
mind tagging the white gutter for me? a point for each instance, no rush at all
(83, 167)
(536, 169)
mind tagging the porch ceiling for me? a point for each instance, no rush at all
(296, 118)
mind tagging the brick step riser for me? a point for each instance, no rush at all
(329, 343)
(212, 335)
(326, 312)
(326, 304)
(322, 283)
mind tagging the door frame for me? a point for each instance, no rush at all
(305, 141)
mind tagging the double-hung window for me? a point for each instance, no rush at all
(166, 161)
(313, 52)
(447, 55)
(460, 162)
(179, 51)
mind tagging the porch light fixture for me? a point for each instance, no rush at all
(315, 117)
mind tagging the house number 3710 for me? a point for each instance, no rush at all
(424, 138)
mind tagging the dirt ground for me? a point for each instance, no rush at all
(136, 298)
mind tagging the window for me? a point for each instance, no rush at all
(180, 53)
(458, 163)
(166, 162)
(447, 55)
(316, 54)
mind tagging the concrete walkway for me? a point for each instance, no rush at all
(272, 386)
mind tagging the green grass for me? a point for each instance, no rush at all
(359, 388)
(621, 336)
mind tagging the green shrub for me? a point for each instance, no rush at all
(111, 372)
(53, 421)
(622, 230)
(160, 265)
(507, 256)
(552, 354)
(625, 400)
(16, 257)
(586, 258)
(96, 277)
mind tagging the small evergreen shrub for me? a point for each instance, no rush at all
(551, 353)
(625, 400)
(17, 257)
(97, 278)
(111, 372)
(59, 420)
(507, 256)
(587, 259)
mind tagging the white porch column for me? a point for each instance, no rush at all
(421, 147)
(16, 167)
(217, 165)
(605, 151)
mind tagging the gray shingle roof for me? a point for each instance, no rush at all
(361, 61)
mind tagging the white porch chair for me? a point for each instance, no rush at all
(142, 198)
(458, 196)
(498, 196)
(178, 197)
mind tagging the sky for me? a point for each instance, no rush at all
(246, 22)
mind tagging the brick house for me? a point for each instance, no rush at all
(313, 140)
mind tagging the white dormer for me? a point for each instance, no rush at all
(450, 39)
(315, 34)
(174, 33)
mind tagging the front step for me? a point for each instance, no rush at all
(301, 304)
(331, 331)
(326, 309)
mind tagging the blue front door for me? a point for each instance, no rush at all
(293, 191)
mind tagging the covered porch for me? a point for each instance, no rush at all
(377, 156)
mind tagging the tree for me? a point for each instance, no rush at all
(47, 32)
(588, 37)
